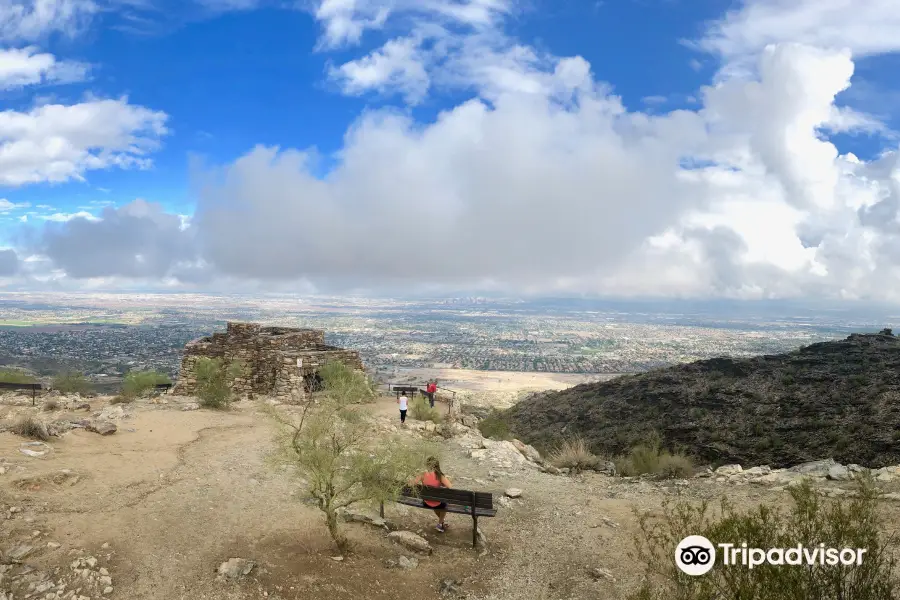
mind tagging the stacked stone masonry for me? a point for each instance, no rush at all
(279, 361)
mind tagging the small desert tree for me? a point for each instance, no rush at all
(214, 378)
(137, 383)
(333, 445)
(72, 382)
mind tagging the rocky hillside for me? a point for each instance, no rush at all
(837, 400)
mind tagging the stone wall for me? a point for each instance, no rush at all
(270, 355)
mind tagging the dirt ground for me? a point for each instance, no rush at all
(172, 494)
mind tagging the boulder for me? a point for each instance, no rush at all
(816, 468)
(236, 568)
(839, 473)
(514, 493)
(101, 427)
(410, 541)
(729, 470)
(190, 406)
(757, 471)
(407, 563)
(527, 451)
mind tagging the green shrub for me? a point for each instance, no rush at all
(812, 520)
(574, 454)
(650, 459)
(29, 427)
(15, 376)
(71, 383)
(138, 383)
(495, 426)
(339, 379)
(421, 410)
(214, 378)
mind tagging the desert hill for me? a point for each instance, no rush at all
(837, 399)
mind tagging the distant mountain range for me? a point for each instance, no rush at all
(837, 399)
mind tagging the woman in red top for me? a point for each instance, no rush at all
(434, 477)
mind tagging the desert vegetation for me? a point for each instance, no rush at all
(71, 382)
(30, 427)
(214, 377)
(574, 454)
(16, 376)
(421, 410)
(812, 520)
(138, 383)
(331, 443)
(649, 458)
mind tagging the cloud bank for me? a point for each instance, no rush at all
(542, 182)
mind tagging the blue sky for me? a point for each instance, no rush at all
(232, 79)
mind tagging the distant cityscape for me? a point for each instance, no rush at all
(106, 335)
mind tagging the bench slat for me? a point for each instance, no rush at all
(451, 496)
(453, 508)
(19, 386)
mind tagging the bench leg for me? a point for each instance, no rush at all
(474, 531)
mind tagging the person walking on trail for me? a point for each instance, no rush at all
(403, 401)
(431, 389)
(434, 477)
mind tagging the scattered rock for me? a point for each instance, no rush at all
(34, 449)
(514, 493)
(729, 470)
(407, 563)
(337, 558)
(190, 406)
(430, 427)
(236, 568)
(84, 406)
(450, 587)
(354, 516)
(598, 573)
(19, 552)
(411, 541)
(101, 427)
(839, 473)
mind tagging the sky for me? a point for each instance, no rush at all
(629, 148)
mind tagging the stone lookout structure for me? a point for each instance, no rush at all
(280, 361)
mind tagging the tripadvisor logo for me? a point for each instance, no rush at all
(696, 555)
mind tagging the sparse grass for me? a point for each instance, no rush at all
(813, 519)
(121, 399)
(650, 459)
(29, 427)
(495, 426)
(71, 383)
(421, 410)
(51, 404)
(574, 454)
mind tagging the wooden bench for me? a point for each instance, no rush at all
(464, 502)
(163, 387)
(22, 386)
(401, 389)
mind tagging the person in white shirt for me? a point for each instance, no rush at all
(403, 401)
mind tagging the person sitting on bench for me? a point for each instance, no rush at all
(434, 477)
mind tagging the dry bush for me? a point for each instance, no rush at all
(812, 520)
(30, 427)
(51, 404)
(121, 399)
(574, 454)
(650, 458)
(421, 410)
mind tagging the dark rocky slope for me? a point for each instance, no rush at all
(836, 400)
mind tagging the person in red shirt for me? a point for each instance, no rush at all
(434, 477)
(431, 389)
